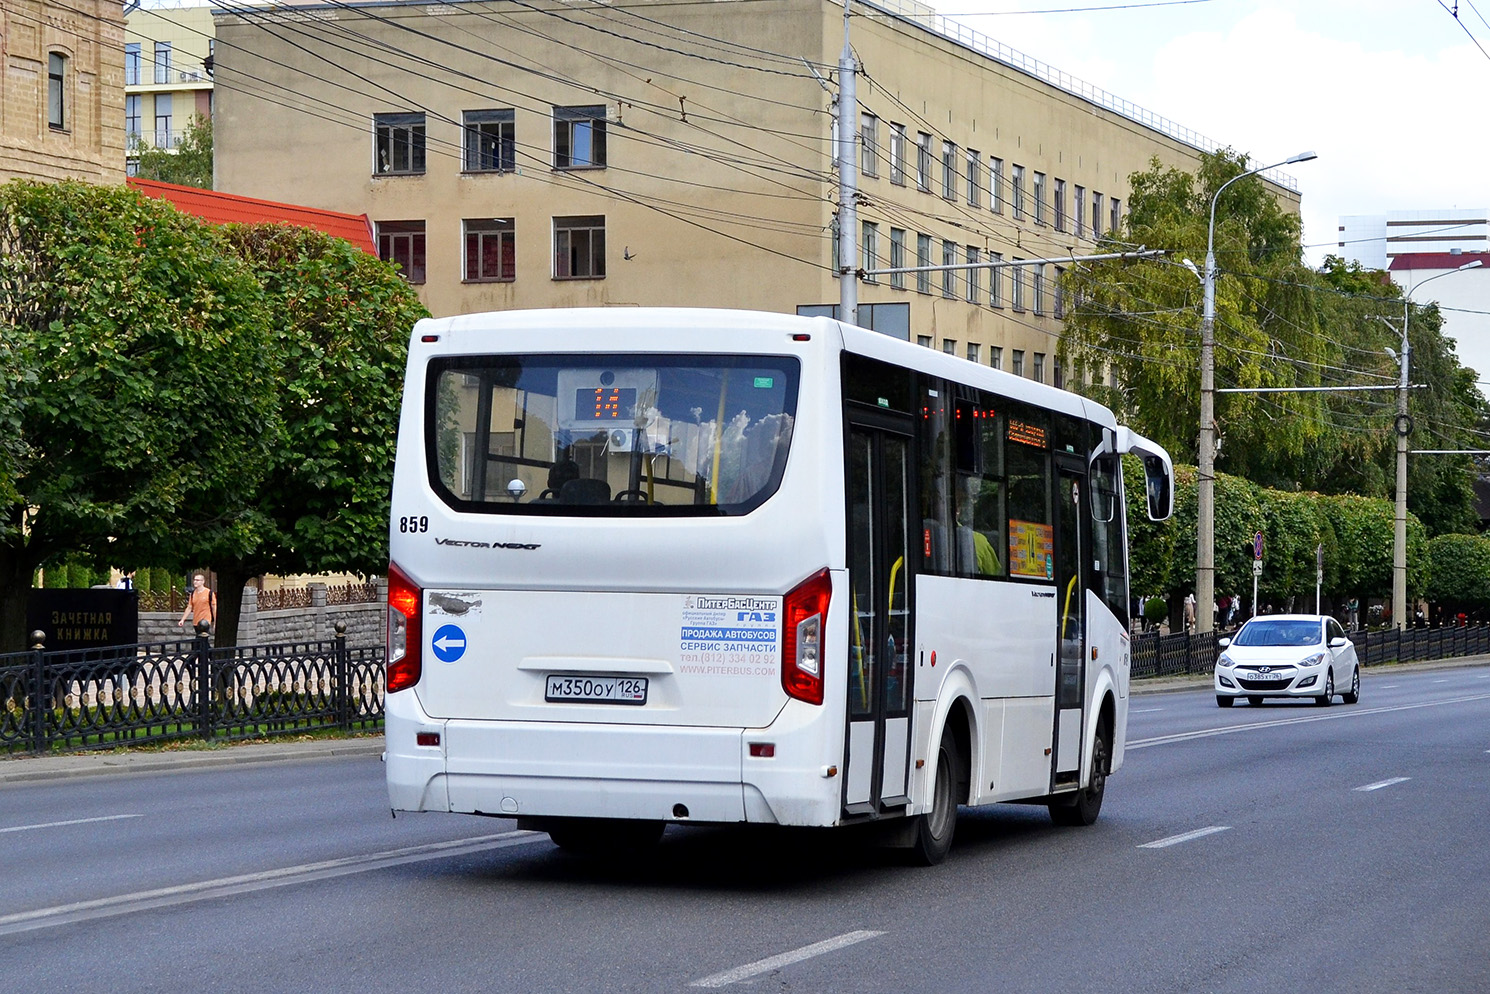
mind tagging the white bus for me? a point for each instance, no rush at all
(657, 566)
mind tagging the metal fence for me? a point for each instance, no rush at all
(1182, 654)
(168, 691)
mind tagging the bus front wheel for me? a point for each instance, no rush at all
(1082, 807)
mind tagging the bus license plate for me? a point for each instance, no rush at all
(597, 689)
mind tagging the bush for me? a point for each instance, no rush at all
(1155, 610)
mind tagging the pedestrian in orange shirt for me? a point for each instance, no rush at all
(201, 603)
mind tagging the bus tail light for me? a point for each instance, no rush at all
(404, 600)
(802, 642)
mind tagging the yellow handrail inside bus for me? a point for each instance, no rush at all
(718, 441)
(859, 645)
(1066, 611)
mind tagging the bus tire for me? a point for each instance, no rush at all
(599, 836)
(935, 828)
(1083, 807)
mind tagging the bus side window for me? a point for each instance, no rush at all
(1028, 497)
(1109, 580)
(935, 478)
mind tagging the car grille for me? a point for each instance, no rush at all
(1264, 684)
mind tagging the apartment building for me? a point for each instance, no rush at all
(167, 77)
(561, 154)
(60, 90)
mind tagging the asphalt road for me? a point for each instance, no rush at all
(1255, 849)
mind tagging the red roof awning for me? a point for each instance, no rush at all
(229, 208)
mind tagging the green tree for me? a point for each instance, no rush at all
(189, 163)
(339, 322)
(137, 400)
(1460, 572)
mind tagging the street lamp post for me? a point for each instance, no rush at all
(1403, 428)
(1205, 484)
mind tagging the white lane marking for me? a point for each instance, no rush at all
(1440, 681)
(1331, 715)
(107, 907)
(60, 824)
(1175, 840)
(1143, 710)
(760, 966)
(1389, 686)
(1384, 783)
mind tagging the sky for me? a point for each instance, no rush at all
(1387, 92)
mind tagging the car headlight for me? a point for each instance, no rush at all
(1313, 660)
(1225, 660)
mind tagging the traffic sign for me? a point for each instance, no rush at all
(1257, 546)
(449, 643)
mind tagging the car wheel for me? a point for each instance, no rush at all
(1224, 701)
(1354, 694)
(934, 830)
(1254, 699)
(1327, 698)
(1082, 809)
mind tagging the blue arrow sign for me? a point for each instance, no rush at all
(449, 643)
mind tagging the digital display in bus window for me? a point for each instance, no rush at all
(604, 404)
(1028, 434)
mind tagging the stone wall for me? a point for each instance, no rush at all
(366, 623)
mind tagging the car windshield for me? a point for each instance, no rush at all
(610, 434)
(1299, 633)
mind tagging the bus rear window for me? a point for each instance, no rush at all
(609, 434)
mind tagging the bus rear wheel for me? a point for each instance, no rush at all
(1082, 807)
(934, 830)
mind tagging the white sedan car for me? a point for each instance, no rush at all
(1288, 655)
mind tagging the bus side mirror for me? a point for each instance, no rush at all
(1160, 487)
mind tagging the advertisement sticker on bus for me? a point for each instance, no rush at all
(1031, 549)
(730, 635)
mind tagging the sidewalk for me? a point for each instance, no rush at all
(31, 769)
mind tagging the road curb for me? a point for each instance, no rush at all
(33, 769)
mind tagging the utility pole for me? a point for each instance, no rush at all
(848, 181)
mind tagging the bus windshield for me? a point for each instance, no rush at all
(610, 434)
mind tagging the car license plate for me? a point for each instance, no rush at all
(1269, 677)
(596, 689)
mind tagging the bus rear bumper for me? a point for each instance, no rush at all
(520, 769)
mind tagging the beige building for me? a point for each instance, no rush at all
(558, 154)
(60, 90)
(166, 81)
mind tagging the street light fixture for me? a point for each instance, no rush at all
(1403, 428)
(1205, 558)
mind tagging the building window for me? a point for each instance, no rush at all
(1017, 272)
(132, 119)
(996, 280)
(974, 285)
(974, 178)
(1117, 215)
(996, 356)
(1039, 192)
(163, 136)
(399, 144)
(132, 64)
(490, 244)
(162, 62)
(897, 154)
(869, 237)
(949, 346)
(923, 259)
(1037, 288)
(949, 171)
(1060, 205)
(1018, 367)
(923, 162)
(949, 275)
(897, 257)
(1096, 214)
(56, 89)
(1058, 295)
(579, 248)
(1080, 199)
(972, 352)
(579, 137)
(491, 141)
(1039, 371)
(1016, 191)
(869, 131)
(924, 340)
(996, 185)
(403, 242)
(1056, 376)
